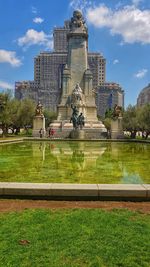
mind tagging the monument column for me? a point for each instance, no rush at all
(77, 82)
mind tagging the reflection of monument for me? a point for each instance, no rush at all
(39, 121)
(77, 88)
(82, 156)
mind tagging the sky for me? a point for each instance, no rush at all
(119, 30)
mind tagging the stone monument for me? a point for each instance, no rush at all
(116, 123)
(77, 80)
(39, 122)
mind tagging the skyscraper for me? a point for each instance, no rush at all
(48, 67)
(107, 96)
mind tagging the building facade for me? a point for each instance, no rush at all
(48, 68)
(144, 96)
(107, 96)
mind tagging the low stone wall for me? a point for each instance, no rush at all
(130, 192)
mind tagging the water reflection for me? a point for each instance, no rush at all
(80, 154)
(130, 178)
(75, 162)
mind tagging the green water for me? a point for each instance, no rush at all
(75, 162)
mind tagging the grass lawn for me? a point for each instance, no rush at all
(77, 237)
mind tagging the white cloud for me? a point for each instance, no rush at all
(38, 20)
(33, 37)
(130, 22)
(141, 73)
(80, 4)
(116, 61)
(5, 85)
(34, 10)
(136, 2)
(9, 57)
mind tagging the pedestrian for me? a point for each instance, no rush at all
(52, 132)
(49, 132)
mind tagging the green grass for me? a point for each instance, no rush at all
(73, 238)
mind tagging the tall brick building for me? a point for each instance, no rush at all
(48, 67)
(109, 94)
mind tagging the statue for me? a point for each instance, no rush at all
(77, 93)
(81, 121)
(117, 112)
(39, 109)
(78, 121)
(77, 21)
(74, 117)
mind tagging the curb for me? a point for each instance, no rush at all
(132, 192)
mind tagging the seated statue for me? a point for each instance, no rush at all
(39, 109)
(77, 93)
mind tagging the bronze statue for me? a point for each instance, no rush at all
(74, 117)
(78, 121)
(81, 121)
(39, 109)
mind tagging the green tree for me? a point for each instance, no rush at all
(15, 114)
(49, 117)
(25, 114)
(5, 112)
(131, 120)
(144, 120)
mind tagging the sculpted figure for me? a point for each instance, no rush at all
(39, 109)
(117, 111)
(77, 93)
(81, 121)
(77, 20)
(74, 117)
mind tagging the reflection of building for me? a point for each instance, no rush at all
(144, 96)
(109, 94)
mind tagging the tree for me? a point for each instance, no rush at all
(130, 120)
(15, 113)
(26, 113)
(107, 121)
(5, 112)
(49, 117)
(144, 120)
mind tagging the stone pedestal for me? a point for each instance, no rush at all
(77, 134)
(116, 129)
(38, 124)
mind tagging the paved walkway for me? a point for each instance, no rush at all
(7, 205)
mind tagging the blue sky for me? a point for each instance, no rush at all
(120, 30)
